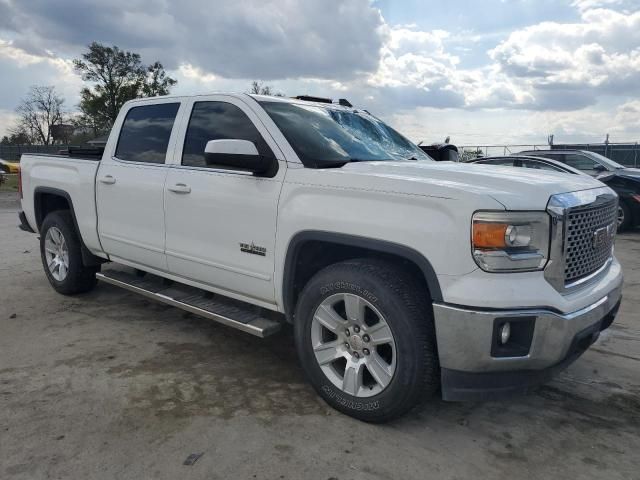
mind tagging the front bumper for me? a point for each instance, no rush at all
(466, 338)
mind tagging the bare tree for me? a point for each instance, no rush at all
(38, 112)
(259, 88)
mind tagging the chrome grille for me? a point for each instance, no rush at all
(590, 234)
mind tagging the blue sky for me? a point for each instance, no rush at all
(482, 72)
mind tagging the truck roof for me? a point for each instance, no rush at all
(258, 98)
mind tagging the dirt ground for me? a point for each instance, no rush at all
(110, 385)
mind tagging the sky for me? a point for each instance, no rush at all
(480, 71)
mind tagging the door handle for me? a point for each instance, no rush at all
(108, 179)
(180, 188)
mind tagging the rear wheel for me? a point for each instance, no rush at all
(364, 333)
(60, 250)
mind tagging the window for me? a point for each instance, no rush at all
(145, 133)
(542, 153)
(218, 121)
(506, 162)
(581, 162)
(324, 135)
(540, 166)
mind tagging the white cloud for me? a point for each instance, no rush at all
(272, 39)
(7, 119)
(567, 65)
(543, 78)
(20, 70)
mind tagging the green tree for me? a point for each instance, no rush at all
(16, 138)
(116, 76)
(157, 82)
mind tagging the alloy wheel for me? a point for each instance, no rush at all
(353, 345)
(56, 254)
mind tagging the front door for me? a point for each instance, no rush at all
(130, 186)
(221, 223)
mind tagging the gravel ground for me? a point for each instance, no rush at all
(110, 385)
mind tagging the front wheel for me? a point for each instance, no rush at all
(364, 333)
(624, 217)
(60, 250)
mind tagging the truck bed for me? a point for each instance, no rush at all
(75, 176)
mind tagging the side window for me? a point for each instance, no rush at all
(540, 166)
(552, 156)
(506, 162)
(581, 162)
(145, 133)
(218, 121)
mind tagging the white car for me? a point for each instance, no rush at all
(401, 276)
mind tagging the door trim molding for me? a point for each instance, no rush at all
(133, 243)
(248, 273)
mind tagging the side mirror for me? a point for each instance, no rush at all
(599, 168)
(237, 155)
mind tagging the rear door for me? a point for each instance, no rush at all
(221, 222)
(130, 184)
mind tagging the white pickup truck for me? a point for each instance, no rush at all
(401, 276)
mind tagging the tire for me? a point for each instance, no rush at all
(75, 277)
(624, 217)
(389, 295)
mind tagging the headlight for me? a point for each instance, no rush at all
(510, 241)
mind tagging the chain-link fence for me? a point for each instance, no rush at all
(627, 154)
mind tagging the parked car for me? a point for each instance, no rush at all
(9, 167)
(537, 163)
(623, 180)
(401, 276)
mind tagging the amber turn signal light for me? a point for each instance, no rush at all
(489, 235)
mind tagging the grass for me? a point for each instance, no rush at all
(10, 183)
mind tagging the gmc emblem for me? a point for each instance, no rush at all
(601, 235)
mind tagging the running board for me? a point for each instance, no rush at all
(232, 313)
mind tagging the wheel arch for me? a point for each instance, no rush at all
(333, 247)
(49, 199)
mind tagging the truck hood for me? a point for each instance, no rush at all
(515, 188)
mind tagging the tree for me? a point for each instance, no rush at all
(37, 113)
(16, 138)
(157, 82)
(258, 88)
(117, 76)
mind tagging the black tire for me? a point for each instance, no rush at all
(79, 278)
(407, 311)
(627, 219)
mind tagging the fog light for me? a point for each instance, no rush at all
(505, 333)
